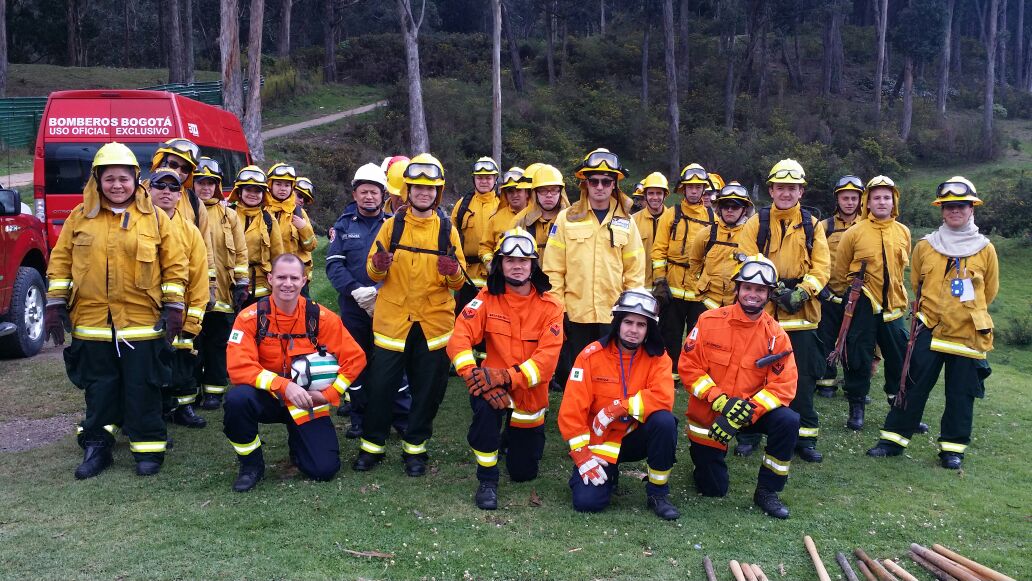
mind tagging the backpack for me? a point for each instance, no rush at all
(461, 214)
(443, 235)
(713, 240)
(679, 215)
(829, 225)
(311, 325)
(763, 234)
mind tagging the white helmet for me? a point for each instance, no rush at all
(315, 371)
(371, 173)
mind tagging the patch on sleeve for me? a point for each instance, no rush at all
(474, 304)
(576, 374)
(778, 367)
(694, 334)
(333, 234)
(554, 329)
(236, 336)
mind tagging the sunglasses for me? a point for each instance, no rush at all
(787, 173)
(173, 164)
(166, 186)
(485, 166)
(597, 158)
(951, 206)
(758, 271)
(423, 170)
(600, 182)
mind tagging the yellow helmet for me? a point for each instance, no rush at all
(601, 160)
(511, 177)
(734, 191)
(396, 176)
(716, 183)
(787, 171)
(115, 153)
(639, 189)
(184, 148)
(208, 168)
(251, 175)
(848, 183)
(305, 187)
(547, 175)
(757, 269)
(956, 189)
(527, 179)
(485, 166)
(655, 180)
(425, 170)
(282, 171)
(693, 173)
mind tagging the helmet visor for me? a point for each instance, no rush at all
(187, 148)
(787, 173)
(512, 177)
(209, 167)
(304, 184)
(252, 175)
(757, 273)
(632, 301)
(597, 158)
(485, 167)
(733, 192)
(423, 170)
(283, 171)
(882, 181)
(957, 189)
(849, 183)
(694, 173)
(518, 246)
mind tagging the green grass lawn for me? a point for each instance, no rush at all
(25, 80)
(187, 524)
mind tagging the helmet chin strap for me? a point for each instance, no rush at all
(516, 282)
(751, 310)
(628, 345)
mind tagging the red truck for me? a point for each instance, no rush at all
(23, 266)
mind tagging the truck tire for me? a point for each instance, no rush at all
(28, 305)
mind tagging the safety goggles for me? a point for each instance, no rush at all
(954, 189)
(733, 192)
(423, 170)
(483, 167)
(758, 273)
(183, 146)
(787, 173)
(304, 184)
(600, 182)
(283, 171)
(694, 173)
(252, 175)
(519, 246)
(597, 158)
(632, 300)
(849, 182)
(883, 181)
(208, 166)
(165, 186)
(512, 176)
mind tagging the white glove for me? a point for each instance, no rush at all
(365, 296)
(593, 471)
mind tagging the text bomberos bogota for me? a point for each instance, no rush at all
(110, 126)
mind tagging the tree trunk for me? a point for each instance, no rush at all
(329, 43)
(832, 59)
(956, 66)
(980, 9)
(3, 48)
(730, 83)
(188, 42)
(673, 110)
(684, 75)
(253, 116)
(882, 17)
(1019, 46)
(229, 50)
(419, 140)
(514, 50)
(990, 78)
(176, 66)
(645, 64)
(602, 17)
(944, 60)
(550, 32)
(72, 31)
(1001, 50)
(897, 87)
(496, 81)
(127, 33)
(564, 52)
(908, 98)
(795, 72)
(283, 40)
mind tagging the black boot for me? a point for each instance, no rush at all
(415, 464)
(826, 390)
(856, 415)
(662, 507)
(950, 460)
(345, 409)
(487, 496)
(770, 503)
(186, 416)
(211, 401)
(147, 468)
(250, 472)
(355, 429)
(366, 461)
(809, 453)
(922, 428)
(96, 458)
(744, 450)
(884, 449)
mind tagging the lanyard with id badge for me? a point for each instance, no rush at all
(961, 285)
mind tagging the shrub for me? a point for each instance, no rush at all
(1017, 331)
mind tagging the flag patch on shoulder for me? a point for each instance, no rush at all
(576, 374)
(474, 304)
(236, 336)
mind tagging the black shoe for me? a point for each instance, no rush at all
(744, 450)
(344, 410)
(366, 461)
(856, 416)
(884, 450)
(867, 399)
(169, 444)
(770, 503)
(486, 496)
(248, 477)
(147, 468)
(826, 391)
(96, 458)
(415, 464)
(663, 508)
(401, 429)
(809, 454)
(354, 431)
(922, 428)
(950, 460)
(186, 416)
(211, 401)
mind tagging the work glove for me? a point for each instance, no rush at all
(487, 378)
(56, 321)
(471, 384)
(382, 259)
(447, 265)
(498, 398)
(722, 430)
(606, 415)
(661, 291)
(240, 295)
(171, 320)
(791, 300)
(365, 296)
(211, 297)
(737, 411)
(590, 466)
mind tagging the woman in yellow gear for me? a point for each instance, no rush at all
(231, 282)
(117, 280)
(547, 199)
(654, 190)
(713, 252)
(470, 216)
(294, 225)
(261, 230)
(511, 202)
(305, 191)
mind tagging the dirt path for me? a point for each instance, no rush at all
(20, 435)
(16, 179)
(294, 128)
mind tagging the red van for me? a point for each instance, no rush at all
(76, 124)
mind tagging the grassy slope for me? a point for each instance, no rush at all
(186, 523)
(36, 80)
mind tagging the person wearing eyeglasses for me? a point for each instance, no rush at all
(294, 225)
(521, 326)
(732, 391)
(956, 276)
(654, 191)
(883, 245)
(792, 238)
(231, 280)
(181, 391)
(594, 253)
(548, 196)
(417, 256)
(511, 202)
(618, 407)
(261, 230)
(117, 280)
(675, 287)
(471, 215)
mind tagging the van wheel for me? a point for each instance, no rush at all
(28, 305)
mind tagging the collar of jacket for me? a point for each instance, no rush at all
(793, 215)
(246, 210)
(694, 210)
(351, 213)
(92, 199)
(276, 206)
(738, 317)
(880, 224)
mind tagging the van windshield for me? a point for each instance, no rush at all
(66, 166)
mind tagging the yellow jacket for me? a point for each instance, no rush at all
(473, 228)
(299, 241)
(116, 270)
(262, 235)
(413, 291)
(670, 253)
(189, 238)
(230, 250)
(647, 227)
(870, 240)
(787, 250)
(959, 328)
(532, 219)
(502, 220)
(589, 264)
(840, 228)
(714, 268)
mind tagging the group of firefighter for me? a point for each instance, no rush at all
(611, 300)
